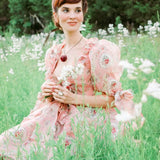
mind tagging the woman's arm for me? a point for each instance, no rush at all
(63, 95)
(94, 101)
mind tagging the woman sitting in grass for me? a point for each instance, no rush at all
(82, 79)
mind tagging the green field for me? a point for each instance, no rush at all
(22, 74)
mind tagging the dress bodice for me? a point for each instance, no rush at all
(75, 77)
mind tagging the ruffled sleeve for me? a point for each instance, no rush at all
(106, 73)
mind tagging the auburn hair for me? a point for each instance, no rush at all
(58, 3)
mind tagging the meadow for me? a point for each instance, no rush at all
(22, 74)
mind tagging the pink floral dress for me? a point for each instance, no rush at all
(98, 71)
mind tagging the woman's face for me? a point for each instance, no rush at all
(70, 16)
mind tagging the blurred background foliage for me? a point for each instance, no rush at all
(34, 16)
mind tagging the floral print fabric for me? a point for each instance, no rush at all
(97, 70)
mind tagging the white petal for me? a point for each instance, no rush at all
(124, 116)
(153, 89)
(144, 98)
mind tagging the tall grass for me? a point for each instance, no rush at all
(20, 81)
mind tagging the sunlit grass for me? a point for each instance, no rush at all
(20, 81)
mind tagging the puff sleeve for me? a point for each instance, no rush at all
(106, 73)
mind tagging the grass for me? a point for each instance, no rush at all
(18, 94)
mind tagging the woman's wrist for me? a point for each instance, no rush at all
(77, 99)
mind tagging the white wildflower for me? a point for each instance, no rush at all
(1, 51)
(71, 71)
(42, 69)
(137, 60)
(157, 24)
(111, 29)
(153, 89)
(125, 64)
(79, 68)
(130, 69)
(41, 65)
(149, 22)
(110, 25)
(144, 98)
(146, 66)
(102, 32)
(139, 35)
(66, 83)
(138, 109)
(4, 58)
(147, 70)
(83, 27)
(11, 71)
(152, 31)
(124, 116)
(125, 32)
(140, 28)
(121, 43)
(120, 27)
(146, 28)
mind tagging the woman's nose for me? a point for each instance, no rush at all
(72, 15)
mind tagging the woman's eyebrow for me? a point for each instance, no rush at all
(78, 7)
(68, 8)
(65, 8)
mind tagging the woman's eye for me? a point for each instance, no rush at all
(78, 10)
(65, 10)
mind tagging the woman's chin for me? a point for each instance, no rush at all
(72, 29)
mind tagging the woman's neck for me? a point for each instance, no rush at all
(72, 38)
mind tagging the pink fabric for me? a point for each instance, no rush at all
(101, 73)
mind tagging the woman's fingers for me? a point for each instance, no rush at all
(59, 88)
(46, 94)
(47, 87)
(57, 95)
(48, 90)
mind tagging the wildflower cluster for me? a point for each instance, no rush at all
(145, 66)
(152, 29)
(70, 71)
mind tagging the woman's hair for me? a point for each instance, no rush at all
(58, 3)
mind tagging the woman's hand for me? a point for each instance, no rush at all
(63, 95)
(47, 88)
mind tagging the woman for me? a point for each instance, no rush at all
(75, 71)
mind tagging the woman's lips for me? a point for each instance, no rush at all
(72, 23)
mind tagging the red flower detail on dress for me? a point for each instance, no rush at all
(68, 87)
(67, 143)
(94, 111)
(19, 133)
(106, 61)
(114, 84)
(113, 130)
